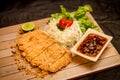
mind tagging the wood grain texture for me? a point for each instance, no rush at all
(78, 67)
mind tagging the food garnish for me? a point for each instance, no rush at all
(79, 15)
(28, 26)
(63, 23)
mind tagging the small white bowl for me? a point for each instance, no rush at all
(91, 45)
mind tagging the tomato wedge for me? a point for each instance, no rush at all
(65, 23)
(69, 23)
(62, 22)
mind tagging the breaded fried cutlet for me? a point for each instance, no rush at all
(42, 51)
(50, 55)
(34, 41)
(57, 57)
(28, 39)
(38, 48)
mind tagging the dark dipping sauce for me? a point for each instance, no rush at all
(92, 45)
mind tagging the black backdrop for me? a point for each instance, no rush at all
(105, 12)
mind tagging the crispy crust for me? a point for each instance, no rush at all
(43, 51)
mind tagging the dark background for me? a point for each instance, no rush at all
(105, 12)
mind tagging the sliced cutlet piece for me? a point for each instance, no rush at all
(44, 56)
(53, 54)
(29, 48)
(25, 46)
(38, 48)
(34, 44)
(24, 39)
(40, 42)
(32, 39)
(49, 56)
(62, 62)
(56, 60)
(27, 39)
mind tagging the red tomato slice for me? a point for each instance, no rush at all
(69, 23)
(65, 23)
(62, 22)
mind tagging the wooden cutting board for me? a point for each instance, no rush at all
(78, 67)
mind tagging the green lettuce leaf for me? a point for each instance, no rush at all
(78, 15)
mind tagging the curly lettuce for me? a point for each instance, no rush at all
(78, 15)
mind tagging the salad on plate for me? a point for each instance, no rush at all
(68, 27)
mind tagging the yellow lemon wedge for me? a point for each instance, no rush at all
(28, 26)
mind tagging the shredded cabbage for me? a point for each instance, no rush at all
(68, 37)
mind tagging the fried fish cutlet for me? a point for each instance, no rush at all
(43, 51)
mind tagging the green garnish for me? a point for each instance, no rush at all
(58, 26)
(78, 15)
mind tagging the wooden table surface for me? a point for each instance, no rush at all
(106, 13)
(78, 67)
